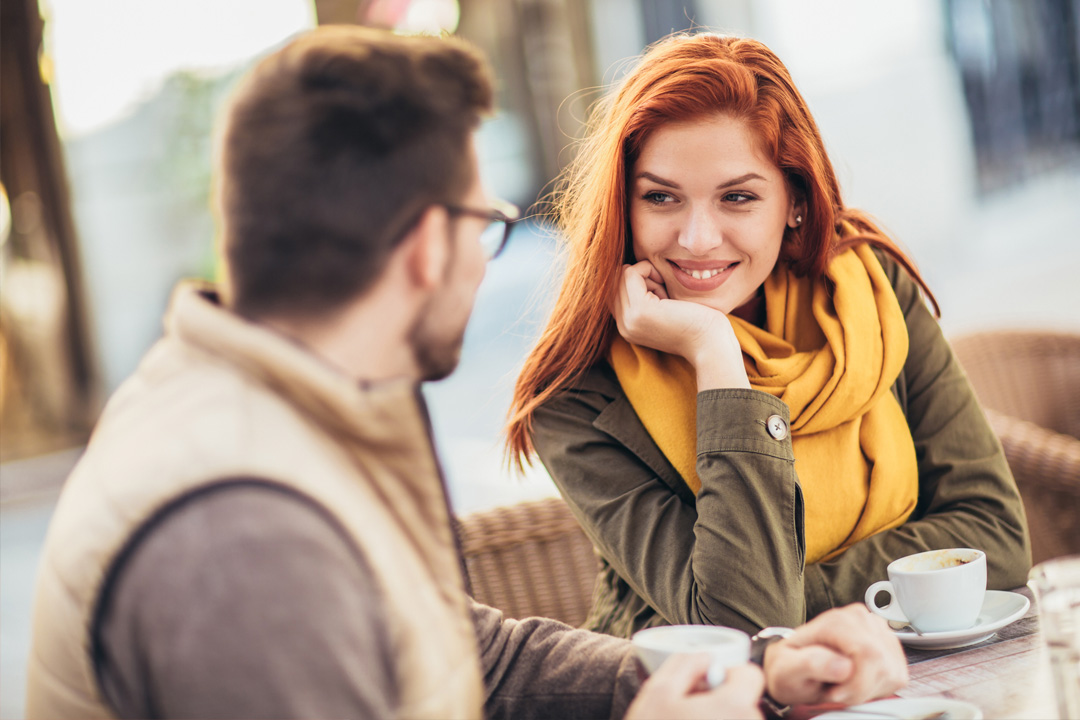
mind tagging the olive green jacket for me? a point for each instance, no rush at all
(734, 555)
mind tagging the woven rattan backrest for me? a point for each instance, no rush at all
(530, 559)
(1033, 376)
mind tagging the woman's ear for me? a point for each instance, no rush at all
(427, 248)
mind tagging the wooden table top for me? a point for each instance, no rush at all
(1008, 676)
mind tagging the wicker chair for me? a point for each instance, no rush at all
(530, 559)
(1029, 385)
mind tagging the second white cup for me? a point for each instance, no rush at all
(726, 646)
(934, 591)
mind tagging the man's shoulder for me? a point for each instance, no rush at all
(173, 384)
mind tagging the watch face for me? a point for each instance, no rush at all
(764, 639)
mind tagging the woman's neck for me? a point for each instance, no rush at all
(753, 310)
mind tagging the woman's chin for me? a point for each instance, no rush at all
(716, 303)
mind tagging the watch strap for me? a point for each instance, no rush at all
(764, 639)
(758, 644)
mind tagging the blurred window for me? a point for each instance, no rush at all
(1020, 65)
(137, 87)
(663, 17)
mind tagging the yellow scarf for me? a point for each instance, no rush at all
(832, 358)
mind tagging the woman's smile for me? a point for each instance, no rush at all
(701, 277)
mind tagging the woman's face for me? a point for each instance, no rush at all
(708, 210)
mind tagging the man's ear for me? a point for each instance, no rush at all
(427, 248)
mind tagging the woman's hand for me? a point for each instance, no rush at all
(646, 316)
(674, 691)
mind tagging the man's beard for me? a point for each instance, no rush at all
(436, 356)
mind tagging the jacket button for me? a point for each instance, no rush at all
(777, 427)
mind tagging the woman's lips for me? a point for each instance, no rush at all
(702, 277)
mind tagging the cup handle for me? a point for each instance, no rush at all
(891, 611)
(716, 675)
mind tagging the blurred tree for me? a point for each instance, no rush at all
(49, 389)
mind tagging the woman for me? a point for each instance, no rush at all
(740, 392)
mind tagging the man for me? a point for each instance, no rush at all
(258, 527)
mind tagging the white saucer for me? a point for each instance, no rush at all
(906, 708)
(999, 609)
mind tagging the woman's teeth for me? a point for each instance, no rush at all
(704, 274)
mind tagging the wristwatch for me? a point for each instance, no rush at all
(764, 639)
(758, 643)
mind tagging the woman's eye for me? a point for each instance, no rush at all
(657, 198)
(739, 198)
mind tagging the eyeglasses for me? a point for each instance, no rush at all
(501, 218)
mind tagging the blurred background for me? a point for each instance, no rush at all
(955, 122)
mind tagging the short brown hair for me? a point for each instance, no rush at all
(333, 147)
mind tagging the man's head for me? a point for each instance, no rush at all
(334, 147)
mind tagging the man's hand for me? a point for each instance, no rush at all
(845, 655)
(676, 691)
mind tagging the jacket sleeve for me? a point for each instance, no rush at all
(542, 668)
(734, 556)
(967, 495)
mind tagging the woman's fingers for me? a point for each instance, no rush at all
(644, 275)
(631, 305)
(656, 288)
(654, 274)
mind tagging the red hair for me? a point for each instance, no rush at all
(681, 77)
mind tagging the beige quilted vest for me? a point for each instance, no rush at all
(218, 398)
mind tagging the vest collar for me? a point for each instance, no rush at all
(387, 413)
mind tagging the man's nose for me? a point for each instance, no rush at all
(703, 231)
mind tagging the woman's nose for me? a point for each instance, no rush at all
(702, 232)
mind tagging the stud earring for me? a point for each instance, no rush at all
(798, 220)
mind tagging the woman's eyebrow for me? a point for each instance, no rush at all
(674, 185)
(658, 180)
(741, 179)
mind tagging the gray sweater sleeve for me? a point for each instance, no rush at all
(247, 601)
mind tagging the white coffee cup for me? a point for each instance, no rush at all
(934, 591)
(726, 646)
